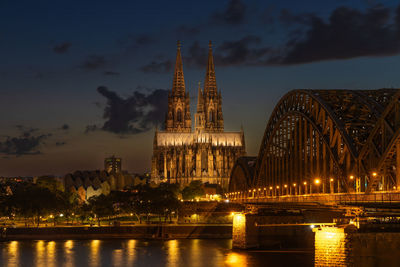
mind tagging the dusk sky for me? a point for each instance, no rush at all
(82, 80)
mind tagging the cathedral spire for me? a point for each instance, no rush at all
(178, 85)
(210, 84)
(200, 102)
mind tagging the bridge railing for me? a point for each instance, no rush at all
(337, 198)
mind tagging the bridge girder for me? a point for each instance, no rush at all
(330, 134)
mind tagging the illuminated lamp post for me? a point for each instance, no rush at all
(271, 193)
(331, 186)
(286, 189)
(259, 192)
(317, 182)
(277, 190)
(305, 188)
(294, 188)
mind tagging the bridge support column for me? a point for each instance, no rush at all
(244, 231)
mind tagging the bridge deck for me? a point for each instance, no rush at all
(382, 197)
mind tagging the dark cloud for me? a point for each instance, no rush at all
(135, 114)
(91, 128)
(349, 33)
(27, 143)
(162, 66)
(288, 18)
(111, 73)
(234, 14)
(64, 127)
(94, 62)
(60, 143)
(243, 51)
(62, 48)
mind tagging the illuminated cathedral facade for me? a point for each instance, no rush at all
(182, 154)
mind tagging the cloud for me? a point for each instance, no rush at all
(132, 115)
(94, 62)
(349, 33)
(234, 14)
(60, 143)
(163, 66)
(111, 73)
(62, 48)
(243, 51)
(91, 128)
(25, 144)
(64, 127)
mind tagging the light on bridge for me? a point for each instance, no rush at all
(285, 185)
(317, 181)
(352, 177)
(294, 184)
(270, 188)
(277, 187)
(305, 183)
(374, 174)
(331, 179)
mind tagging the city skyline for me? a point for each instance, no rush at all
(78, 81)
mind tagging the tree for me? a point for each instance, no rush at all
(101, 206)
(193, 190)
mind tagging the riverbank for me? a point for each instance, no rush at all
(106, 232)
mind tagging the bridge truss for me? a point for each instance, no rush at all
(326, 141)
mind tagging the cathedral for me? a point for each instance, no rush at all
(182, 154)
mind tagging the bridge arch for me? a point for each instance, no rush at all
(323, 138)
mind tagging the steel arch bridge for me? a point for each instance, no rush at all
(327, 141)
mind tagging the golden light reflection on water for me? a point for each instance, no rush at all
(131, 251)
(236, 259)
(40, 253)
(69, 253)
(117, 257)
(173, 253)
(195, 253)
(94, 253)
(12, 251)
(51, 254)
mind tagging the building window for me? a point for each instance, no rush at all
(211, 115)
(179, 116)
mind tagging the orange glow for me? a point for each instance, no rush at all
(352, 177)
(331, 180)
(285, 185)
(317, 181)
(294, 184)
(374, 174)
(305, 183)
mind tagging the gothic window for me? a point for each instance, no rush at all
(211, 116)
(179, 116)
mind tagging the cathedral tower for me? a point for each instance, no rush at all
(178, 116)
(211, 98)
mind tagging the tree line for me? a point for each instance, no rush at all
(45, 202)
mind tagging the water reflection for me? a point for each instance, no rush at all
(173, 253)
(69, 253)
(94, 253)
(13, 253)
(196, 253)
(236, 259)
(131, 252)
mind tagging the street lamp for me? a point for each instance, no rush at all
(331, 186)
(317, 181)
(305, 187)
(294, 185)
(286, 189)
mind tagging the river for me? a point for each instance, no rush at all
(152, 253)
